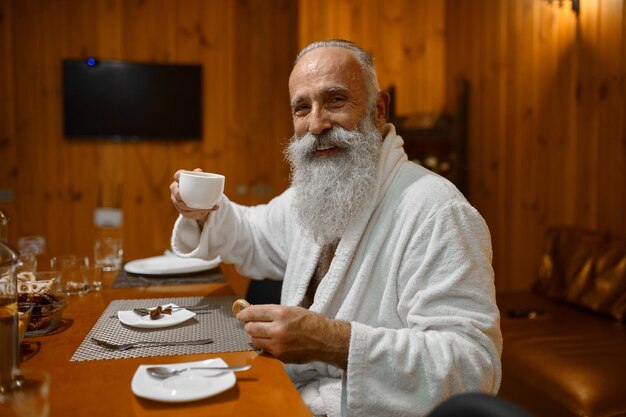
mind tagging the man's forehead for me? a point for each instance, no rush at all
(332, 65)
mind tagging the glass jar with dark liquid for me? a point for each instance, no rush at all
(9, 343)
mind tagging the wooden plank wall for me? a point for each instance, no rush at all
(546, 144)
(246, 48)
(405, 37)
(547, 140)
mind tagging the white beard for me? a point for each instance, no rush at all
(331, 191)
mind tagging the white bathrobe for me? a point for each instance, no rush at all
(412, 275)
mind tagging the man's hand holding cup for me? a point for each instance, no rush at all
(195, 194)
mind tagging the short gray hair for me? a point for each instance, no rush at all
(364, 59)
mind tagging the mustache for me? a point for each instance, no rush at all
(302, 148)
(335, 136)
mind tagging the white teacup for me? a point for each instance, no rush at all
(201, 190)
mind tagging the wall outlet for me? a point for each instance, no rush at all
(6, 194)
(108, 217)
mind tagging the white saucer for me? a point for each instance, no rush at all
(130, 318)
(189, 386)
(167, 265)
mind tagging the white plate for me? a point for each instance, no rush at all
(130, 318)
(167, 265)
(188, 386)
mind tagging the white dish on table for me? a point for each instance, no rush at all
(168, 265)
(130, 318)
(188, 386)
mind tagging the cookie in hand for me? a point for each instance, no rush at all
(239, 305)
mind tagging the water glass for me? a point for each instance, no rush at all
(73, 278)
(108, 253)
(93, 276)
(29, 397)
(28, 262)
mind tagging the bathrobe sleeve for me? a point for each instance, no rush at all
(446, 300)
(254, 238)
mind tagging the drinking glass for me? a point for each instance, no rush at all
(28, 262)
(73, 279)
(93, 276)
(108, 253)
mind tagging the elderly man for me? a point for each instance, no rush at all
(388, 302)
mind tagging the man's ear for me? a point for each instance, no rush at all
(382, 109)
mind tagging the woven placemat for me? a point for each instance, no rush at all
(220, 325)
(126, 280)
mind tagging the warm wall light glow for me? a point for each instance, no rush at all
(575, 4)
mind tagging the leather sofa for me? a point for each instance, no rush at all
(565, 340)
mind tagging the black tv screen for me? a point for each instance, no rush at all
(126, 100)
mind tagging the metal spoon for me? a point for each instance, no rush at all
(164, 372)
(146, 311)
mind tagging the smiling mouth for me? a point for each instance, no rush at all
(323, 151)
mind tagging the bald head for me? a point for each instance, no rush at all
(330, 85)
(364, 59)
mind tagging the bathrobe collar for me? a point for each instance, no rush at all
(392, 155)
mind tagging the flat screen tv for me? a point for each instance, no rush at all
(126, 100)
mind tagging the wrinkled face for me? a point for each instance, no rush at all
(336, 143)
(327, 87)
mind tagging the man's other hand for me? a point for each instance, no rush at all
(297, 335)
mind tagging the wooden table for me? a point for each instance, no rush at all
(102, 387)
